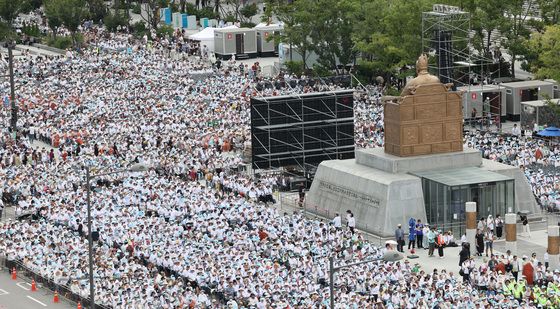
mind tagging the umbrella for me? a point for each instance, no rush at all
(550, 131)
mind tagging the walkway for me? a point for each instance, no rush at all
(18, 294)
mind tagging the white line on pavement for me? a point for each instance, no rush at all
(3, 292)
(33, 299)
(21, 285)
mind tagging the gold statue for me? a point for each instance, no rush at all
(427, 118)
(423, 77)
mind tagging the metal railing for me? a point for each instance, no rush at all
(25, 273)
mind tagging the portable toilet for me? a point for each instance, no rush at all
(204, 22)
(184, 21)
(177, 20)
(191, 22)
(165, 15)
(241, 42)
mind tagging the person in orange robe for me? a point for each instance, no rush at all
(528, 271)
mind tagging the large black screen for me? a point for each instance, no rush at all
(302, 129)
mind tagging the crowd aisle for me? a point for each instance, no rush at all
(192, 231)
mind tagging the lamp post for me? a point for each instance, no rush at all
(389, 256)
(12, 88)
(89, 178)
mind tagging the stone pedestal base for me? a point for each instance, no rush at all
(379, 200)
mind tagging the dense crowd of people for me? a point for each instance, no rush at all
(192, 231)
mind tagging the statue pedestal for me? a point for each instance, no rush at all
(379, 159)
(379, 189)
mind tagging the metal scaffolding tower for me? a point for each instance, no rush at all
(446, 38)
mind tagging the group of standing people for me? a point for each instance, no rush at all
(424, 236)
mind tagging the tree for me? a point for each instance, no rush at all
(70, 13)
(486, 16)
(296, 17)
(545, 51)
(549, 11)
(53, 20)
(151, 16)
(97, 10)
(247, 12)
(10, 9)
(514, 28)
(331, 32)
(389, 32)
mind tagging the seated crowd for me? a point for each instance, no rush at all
(193, 231)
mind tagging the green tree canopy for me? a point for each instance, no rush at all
(545, 47)
(70, 13)
(10, 9)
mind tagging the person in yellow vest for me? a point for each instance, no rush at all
(542, 300)
(536, 291)
(550, 289)
(511, 286)
(518, 291)
(506, 288)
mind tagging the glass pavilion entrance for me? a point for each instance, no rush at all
(447, 191)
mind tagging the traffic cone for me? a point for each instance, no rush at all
(79, 305)
(33, 286)
(14, 275)
(56, 300)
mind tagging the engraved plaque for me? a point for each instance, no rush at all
(430, 111)
(410, 135)
(432, 133)
(453, 108)
(453, 131)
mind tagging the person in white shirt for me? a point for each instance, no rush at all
(351, 223)
(515, 130)
(337, 221)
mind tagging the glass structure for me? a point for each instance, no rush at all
(447, 191)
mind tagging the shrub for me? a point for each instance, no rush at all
(113, 20)
(321, 71)
(164, 30)
(207, 12)
(294, 67)
(247, 25)
(61, 42)
(139, 29)
(31, 30)
(136, 9)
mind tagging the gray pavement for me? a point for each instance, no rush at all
(36, 51)
(17, 294)
(537, 242)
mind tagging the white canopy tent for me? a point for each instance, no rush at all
(265, 26)
(206, 37)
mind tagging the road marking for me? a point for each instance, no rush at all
(33, 299)
(20, 284)
(3, 292)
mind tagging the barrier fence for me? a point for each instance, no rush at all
(26, 274)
